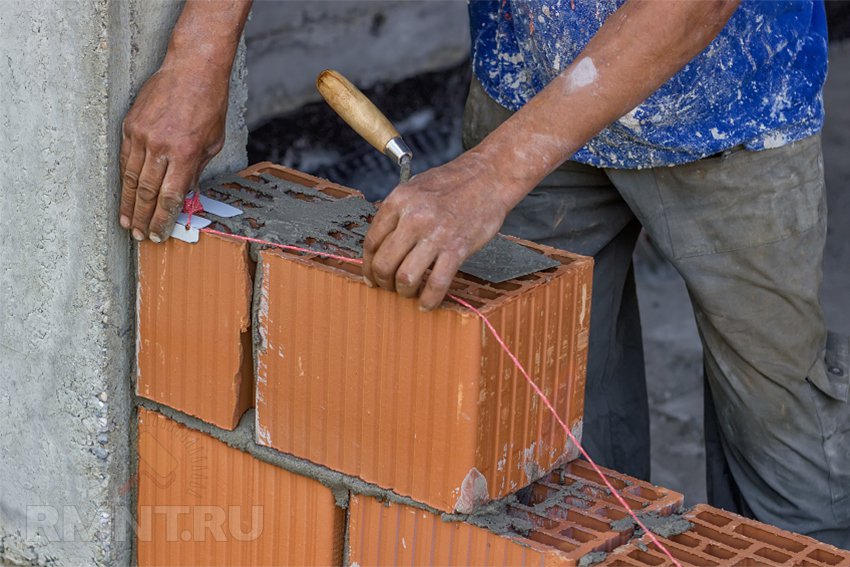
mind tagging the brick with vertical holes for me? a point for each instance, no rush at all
(193, 345)
(426, 404)
(577, 489)
(556, 521)
(722, 538)
(194, 349)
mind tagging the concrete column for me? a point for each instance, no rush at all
(67, 75)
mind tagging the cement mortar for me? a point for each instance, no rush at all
(242, 438)
(283, 212)
(664, 526)
(340, 484)
(495, 516)
(592, 559)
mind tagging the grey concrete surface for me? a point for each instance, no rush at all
(68, 71)
(671, 342)
(291, 42)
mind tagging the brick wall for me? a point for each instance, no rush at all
(377, 427)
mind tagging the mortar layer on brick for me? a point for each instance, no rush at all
(721, 538)
(286, 206)
(385, 533)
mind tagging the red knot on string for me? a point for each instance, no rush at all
(192, 205)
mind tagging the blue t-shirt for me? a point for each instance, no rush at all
(758, 83)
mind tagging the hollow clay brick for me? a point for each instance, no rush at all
(383, 534)
(722, 538)
(426, 404)
(577, 485)
(194, 335)
(194, 349)
(203, 503)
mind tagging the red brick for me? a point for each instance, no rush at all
(203, 503)
(194, 349)
(393, 534)
(722, 538)
(578, 486)
(426, 404)
(194, 327)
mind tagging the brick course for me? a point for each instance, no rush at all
(203, 503)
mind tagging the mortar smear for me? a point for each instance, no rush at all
(284, 212)
(664, 526)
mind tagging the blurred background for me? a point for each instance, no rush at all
(412, 58)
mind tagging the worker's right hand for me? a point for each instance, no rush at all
(173, 129)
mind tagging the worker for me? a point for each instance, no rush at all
(588, 120)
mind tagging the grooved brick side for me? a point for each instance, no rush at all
(194, 338)
(383, 534)
(722, 538)
(203, 503)
(193, 349)
(426, 404)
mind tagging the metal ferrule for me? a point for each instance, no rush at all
(398, 150)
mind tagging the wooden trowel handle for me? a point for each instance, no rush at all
(357, 110)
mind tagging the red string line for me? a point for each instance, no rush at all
(569, 433)
(507, 351)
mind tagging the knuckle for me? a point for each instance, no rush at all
(127, 201)
(186, 152)
(128, 127)
(170, 200)
(146, 193)
(439, 282)
(404, 278)
(131, 179)
(389, 204)
(417, 218)
(155, 144)
(381, 269)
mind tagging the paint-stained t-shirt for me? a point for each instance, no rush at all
(759, 83)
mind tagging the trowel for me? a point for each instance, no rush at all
(501, 259)
(364, 117)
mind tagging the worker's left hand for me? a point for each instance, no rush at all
(437, 219)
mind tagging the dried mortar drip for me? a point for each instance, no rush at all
(278, 210)
(664, 526)
(496, 516)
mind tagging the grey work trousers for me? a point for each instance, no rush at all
(746, 230)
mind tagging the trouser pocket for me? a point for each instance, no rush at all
(830, 397)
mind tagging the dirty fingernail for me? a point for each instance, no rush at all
(137, 234)
(125, 221)
(155, 238)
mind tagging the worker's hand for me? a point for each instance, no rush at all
(170, 134)
(437, 219)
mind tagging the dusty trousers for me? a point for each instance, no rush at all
(746, 231)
